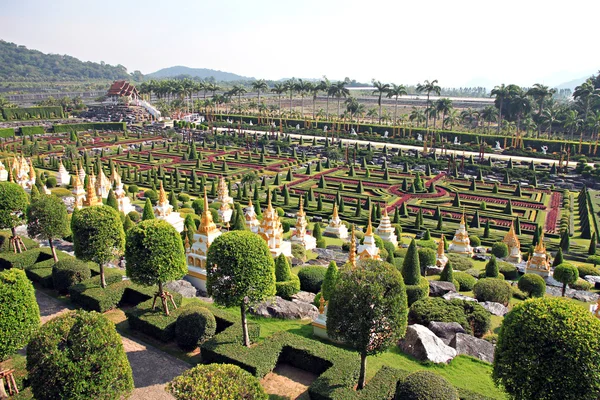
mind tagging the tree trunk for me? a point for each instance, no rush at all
(53, 250)
(163, 298)
(245, 335)
(499, 118)
(102, 277)
(564, 289)
(16, 241)
(327, 107)
(363, 371)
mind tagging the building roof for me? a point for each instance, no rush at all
(122, 88)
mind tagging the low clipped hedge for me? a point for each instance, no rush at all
(465, 281)
(580, 284)
(417, 292)
(216, 381)
(69, 272)
(311, 278)
(5, 242)
(25, 259)
(32, 130)
(460, 263)
(89, 295)
(492, 289)
(195, 324)
(425, 385)
(585, 270)
(155, 322)
(7, 132)
(508, 270)
(101, 126)
(41, 273)
(289, 288)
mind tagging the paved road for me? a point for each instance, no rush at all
(494, 156)
(152, 368)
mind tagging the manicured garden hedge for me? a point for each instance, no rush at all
(101, 126)
(11, 114)
(7, 132)
(91, 296)
(32, 130)
(5, 240)
(155, 322)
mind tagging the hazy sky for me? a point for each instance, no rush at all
(457, 42)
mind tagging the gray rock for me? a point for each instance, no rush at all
(433, 270)
(495, 308)
(424, 345)
(304, 297)
(454, 295)
(296, 262)
(182, 287)
(440, 288)
(474, 347)
(281, 308)
(587, 297)
(594, 280)
(329, 254)
(318, 261)
(445, 330)
(334, 247)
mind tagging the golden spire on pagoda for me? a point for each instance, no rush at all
(385, 214)
(369, 231)
(440, 249)
(162, 196)
(335, 211)
(269, 206)
(91, 199)
(511, 239)
(207, 224)
(462, 219)
(540, 247)
(76, 181)
(31, 170)
(352, 255)
(301, 210)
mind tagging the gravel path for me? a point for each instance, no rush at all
(152, 368)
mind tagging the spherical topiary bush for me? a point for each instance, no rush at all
(195, 324)
(492, 289)
(532, 284)
(500, 249)
(470, 315)
(425, 385)
(508, 270)
(69, 272)
(216, 381)
(19, 311)
(311, 278)
(465, 281)
(561, 339)
(78, 355)
(475, 241)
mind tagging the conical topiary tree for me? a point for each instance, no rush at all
(411, 268)
(491, 268)
(329, 281)
(447, 274)
(148, 212)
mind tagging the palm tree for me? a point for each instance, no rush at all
(417, 116)
(325, 86)
(469, 116)
(539, 92)
(519, 103)
(488, 114)
(260, 85)
(501, 92)
(396, 91)
(315, 89)
(238, 90)
(214, 88)
(338, 91)
(529, 125)
(290, 86)
(572, 122)
(443, 106)
(429, 87)
(380, 89)
(452, 118)
(585, 93)
(549, 117)
(301, 88)
(279, 89)
(372, 113)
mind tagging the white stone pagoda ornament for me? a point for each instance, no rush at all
(252, 222)
(539, 262)
(3, 173)
(368, 249)
(385, 230)
(514, 246)
(163, 210)
(62, 177)
(461, 243)
(123, 201)
(271, 231)
(103, 185)
(441, 259)
(300, 235)
(78, 192)
(226, 209)
(336, 228)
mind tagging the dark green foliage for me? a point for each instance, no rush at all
(447, 274)
(500, 250)
(417, 291)
(287, 284)
(566, 274)
(471, 316)
(534, 285)
(465, 281)
(566, 351)
(329, 282)
(475, 241)
(111, 200)
(565, 241)
(425, 385)
(89, 295)
(593, 242)
(508, 270)
(19, 312)
(492, 289)
(491, 268)
(195, 324)
(155, 322)
(411, 268)
(13, 203)
(47, 218)
(558, 258)
(375, 292)
(508, 209)
(148, 212)
(78, 355)
(588, 269)
(317, 231)
(215, 381)
(311, 278)
(69, 272)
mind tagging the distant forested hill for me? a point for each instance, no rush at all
(202, 73)
(18, 63)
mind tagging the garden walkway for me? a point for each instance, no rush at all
(152, 369)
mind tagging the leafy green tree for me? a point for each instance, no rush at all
(532, 284)
(566, 274)
(565, 352)
(148, 212)
(558, 258)
(317, 231)
(13, 204)
(239, 223)
(155, 255)
(491, 268)
(19, 312)
(47, 218)
(98, 236)
(331, 277)
(368, 310)
(241, 271)
(78, 355)
(447, 274)
(111, 200)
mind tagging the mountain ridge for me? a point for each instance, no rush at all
(202, 73)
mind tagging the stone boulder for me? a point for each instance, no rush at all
(182, 287)
(296, 262)
(440, 288)
(495, 308)
(445, 330)
(281, 308)
(594, 280)
(329, 254)
(304, 297)
(433, 270)
(474, 347)
(454, 295)
(424, 345)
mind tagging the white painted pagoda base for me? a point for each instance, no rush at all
(285, 249)
(197, 277)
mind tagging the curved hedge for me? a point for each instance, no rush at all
(311, 278)
(508, 270)
(216, 381)
(465, 281)
(417, 292)
(69, 272)
(585, 270)
(492, 289)
(78, 355)
(195, 324)
(425, 385)
(19, 312)
(288, 288)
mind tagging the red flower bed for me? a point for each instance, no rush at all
(554, 213)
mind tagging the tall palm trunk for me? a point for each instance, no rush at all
(327, 107)
(427, 120)
(499, 117)
(396, 111)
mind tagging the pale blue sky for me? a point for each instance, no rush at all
(457, 42)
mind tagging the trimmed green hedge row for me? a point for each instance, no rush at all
(7, 132)
(10, 114)
(90, 296)
(26, 259)
(32, 130)
(101, 126)
(5, 240)
(155, 322)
